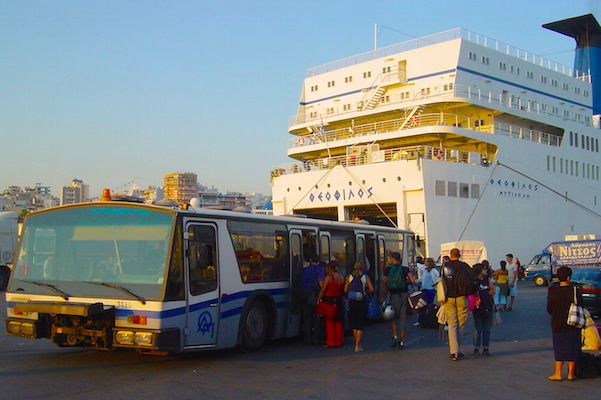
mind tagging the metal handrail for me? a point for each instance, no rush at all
(388, 155)
(459, 91)
(457, 33)
(371, 131)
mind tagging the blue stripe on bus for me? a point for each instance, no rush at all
(122, 313)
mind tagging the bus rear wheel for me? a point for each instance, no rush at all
(254, 327)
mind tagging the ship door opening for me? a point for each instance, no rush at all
(327, 213)
(372, 214)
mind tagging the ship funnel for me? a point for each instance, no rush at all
(587, 33)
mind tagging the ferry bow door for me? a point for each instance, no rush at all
(202, 308)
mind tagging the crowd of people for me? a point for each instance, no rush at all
(459, 289)
(494, 290)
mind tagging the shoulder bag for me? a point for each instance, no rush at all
(577, 314)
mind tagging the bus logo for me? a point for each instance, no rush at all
(206, 324)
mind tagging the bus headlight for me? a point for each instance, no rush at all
(124, 337)
(21, 328)
(143, 338)
(14, 327)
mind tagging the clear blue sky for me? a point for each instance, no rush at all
(111, 91)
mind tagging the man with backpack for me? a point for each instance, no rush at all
(459, 281)
(396, 283)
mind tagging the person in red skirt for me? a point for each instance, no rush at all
(332, 290)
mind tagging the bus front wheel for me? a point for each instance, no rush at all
(254, 326)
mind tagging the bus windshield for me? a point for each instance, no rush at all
(108, 251)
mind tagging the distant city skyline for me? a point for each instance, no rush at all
(111, 92)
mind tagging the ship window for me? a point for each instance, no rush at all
(597, 145)
(554, 82)
(588, 143)
(571, 138)
(452, 189)
(561, 165)
(553, 164)
(367, 74)
(571, 167)
(464, 190)
(576, 169)
(529, 74)
(439, 188)
(576, 139)
(475, 190)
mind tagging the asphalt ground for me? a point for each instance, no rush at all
(520, 362)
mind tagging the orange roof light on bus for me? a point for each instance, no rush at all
(106, 195)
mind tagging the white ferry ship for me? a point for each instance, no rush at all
(455, 136)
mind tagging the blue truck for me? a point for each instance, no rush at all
(572, 253)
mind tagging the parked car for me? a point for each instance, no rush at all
(589, 281)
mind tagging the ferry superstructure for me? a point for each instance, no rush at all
(455, 136)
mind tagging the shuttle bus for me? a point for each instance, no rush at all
(117, 274)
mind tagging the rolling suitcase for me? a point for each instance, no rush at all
(427, 317)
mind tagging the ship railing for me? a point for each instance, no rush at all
(458, 33)
(381, 156)
(372, 131)
(440, 94)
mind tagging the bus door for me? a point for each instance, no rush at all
(366, 254)
(202, 308)
(382, 255)
(296, 282)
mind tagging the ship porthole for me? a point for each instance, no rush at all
(299, 189)
(363, 181)
(350, 183)
(398, 178)
(384, 180)
(288, 189)
(316, 187)
(328, 185)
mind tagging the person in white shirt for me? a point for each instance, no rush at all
(512, 279)
(430, 278)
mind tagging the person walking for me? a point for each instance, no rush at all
(454, 302)
(483, 313)
(331, 291)
(566, 338)
(357, 286)
(313, 276)
(512, 279)
(395, 285)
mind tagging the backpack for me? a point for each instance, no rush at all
(466, 281)
(397, 279)
(311, 292)
(356, 284)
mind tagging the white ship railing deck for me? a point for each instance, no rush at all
(457, 33)
(476, 96)
(396, 154)
(373, 130)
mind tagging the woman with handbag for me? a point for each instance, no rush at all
(357, 286)
(566, 338)
(483, 311)
(331, 292)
